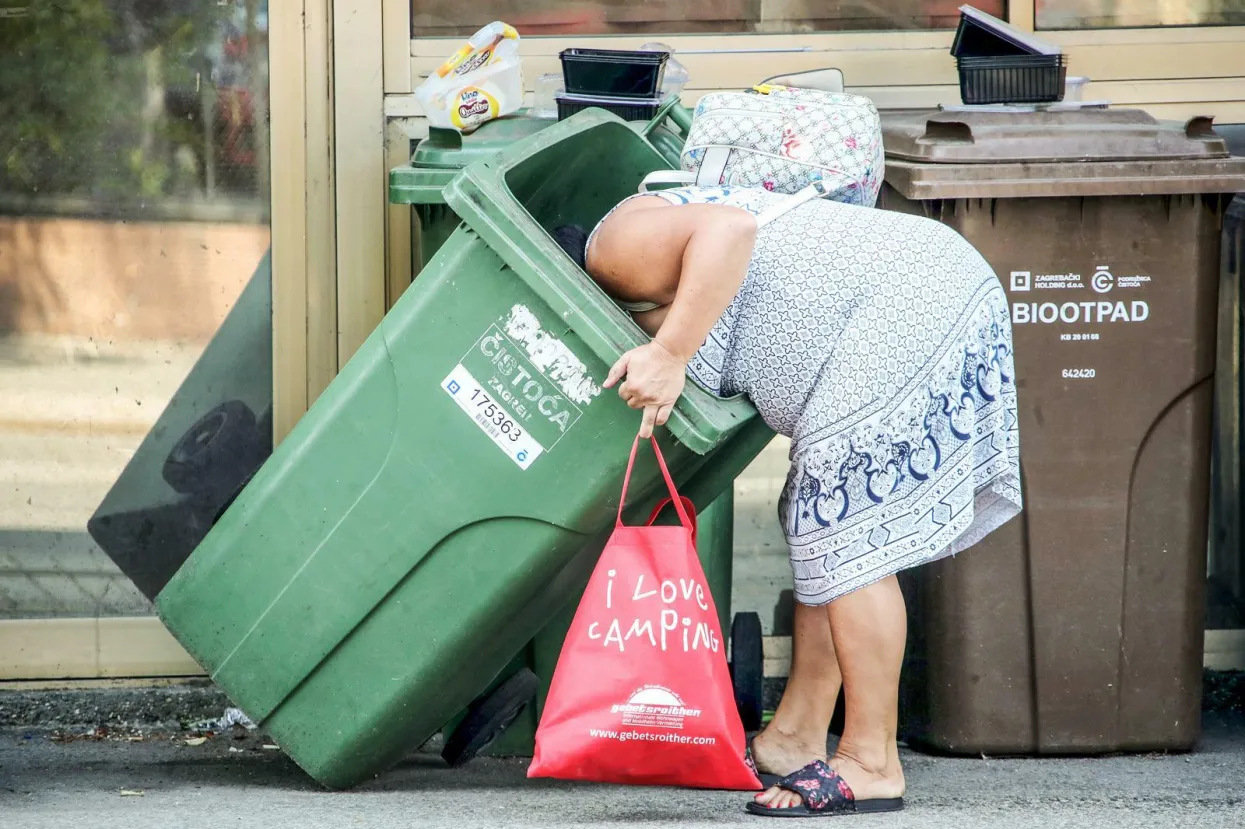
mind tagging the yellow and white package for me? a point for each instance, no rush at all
(481, 81)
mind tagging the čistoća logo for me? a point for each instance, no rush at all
(1102, 281)
(655, 706)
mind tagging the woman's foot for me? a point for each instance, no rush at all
(876, 778)
(777, 753)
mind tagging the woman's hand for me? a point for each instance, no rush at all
(655, 379)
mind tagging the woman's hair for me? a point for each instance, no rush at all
(573, 240)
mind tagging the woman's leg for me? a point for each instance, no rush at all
(869, 629)
(797, 734)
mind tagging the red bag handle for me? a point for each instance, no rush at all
(687, 505)
(674, 493)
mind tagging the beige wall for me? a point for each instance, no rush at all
(1173, 73)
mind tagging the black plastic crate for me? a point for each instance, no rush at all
(1020, 79)
(981, 35)
(628, 109)
(614, 73)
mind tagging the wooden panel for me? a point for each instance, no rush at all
(922, 62)
(398, 229)
(1152, 61)
(1020, 13)
(1193, 90)
(321, 201)
(882, 68)
(1173, 78)
(438, 19)
(838, 41)
(396, 18)
(359, 153)
(90, 648)
(289, 204)
(1116, 37)
(1225, 112)
(141, 647)
(304, 228)
(440, 48)
(1165, 99)
(48, 649)
(1194, 96)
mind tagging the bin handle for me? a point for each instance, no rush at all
(681, 116)
(666, 109)
(453, 138)
(947, 131)
(1201, 126)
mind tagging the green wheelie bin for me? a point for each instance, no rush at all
(435, 162)
(451, 490)
(444, 153)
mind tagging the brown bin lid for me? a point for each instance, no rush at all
(988, 137)
(1084, 152)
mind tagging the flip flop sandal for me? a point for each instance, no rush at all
(824, 794)
(768, 780)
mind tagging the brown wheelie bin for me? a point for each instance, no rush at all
(1225, 602)
(1078, 627)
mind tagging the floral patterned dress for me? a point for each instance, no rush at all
(881, 344)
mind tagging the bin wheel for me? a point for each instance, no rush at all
(748, 668)
(489, 716)
(216, 452)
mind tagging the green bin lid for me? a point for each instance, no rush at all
(439, 157)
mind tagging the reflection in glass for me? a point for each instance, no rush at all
(133, 235)
(443, 18)
(1106, 14)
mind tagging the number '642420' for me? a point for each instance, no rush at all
(1078, 373)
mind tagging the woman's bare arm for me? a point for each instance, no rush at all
(690, 258)
(715, 262)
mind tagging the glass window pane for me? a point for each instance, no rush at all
(135, 322)
(1106, 14)
(442, 18)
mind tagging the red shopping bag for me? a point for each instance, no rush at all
(642, 693)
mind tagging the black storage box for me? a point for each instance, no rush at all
(981, 35)
(1019, 79)
(628, 109)
(613, 73)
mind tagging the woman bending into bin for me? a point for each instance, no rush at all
(880, 343)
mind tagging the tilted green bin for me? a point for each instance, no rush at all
(451, 489)
(437, 160)
(445, 152)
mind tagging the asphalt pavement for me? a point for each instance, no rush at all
(156, 780)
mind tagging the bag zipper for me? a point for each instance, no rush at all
(750, 113)
(809, 164)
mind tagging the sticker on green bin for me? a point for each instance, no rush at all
(492, 418)
(522, 387)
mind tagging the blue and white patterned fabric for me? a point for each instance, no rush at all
(881, 344)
